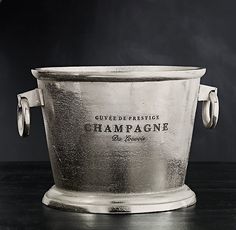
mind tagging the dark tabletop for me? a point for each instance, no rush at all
(22, 186)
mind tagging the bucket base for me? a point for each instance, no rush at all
(108, 203)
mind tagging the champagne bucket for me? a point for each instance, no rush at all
(119, 137)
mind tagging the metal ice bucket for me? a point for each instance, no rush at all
(119, 136)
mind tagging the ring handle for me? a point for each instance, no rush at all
(32, 98)
(210, 111)
(23, 117)
(210, 105)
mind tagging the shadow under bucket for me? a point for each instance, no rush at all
(119, 136)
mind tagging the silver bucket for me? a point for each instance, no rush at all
(119, 137)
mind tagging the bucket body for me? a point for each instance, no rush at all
(119, 146)
(119, 137)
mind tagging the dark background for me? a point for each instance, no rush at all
(122, 32)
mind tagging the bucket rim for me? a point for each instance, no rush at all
(118, 73)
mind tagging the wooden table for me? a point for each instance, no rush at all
(22, 185)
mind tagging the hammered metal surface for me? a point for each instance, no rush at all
(98, 141)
